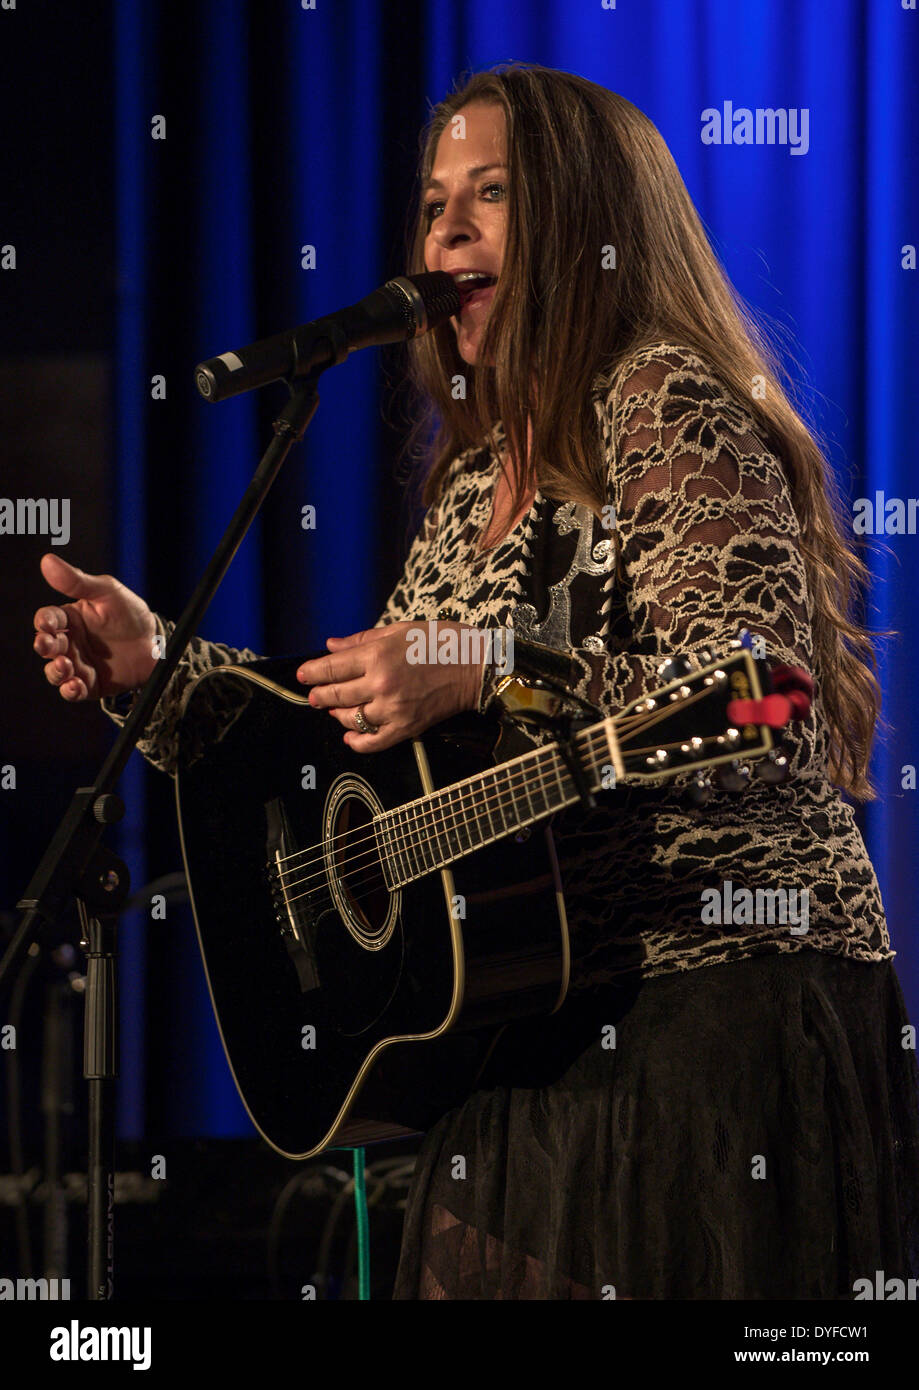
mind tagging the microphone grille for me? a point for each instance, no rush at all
(440, 294)
(430, 299)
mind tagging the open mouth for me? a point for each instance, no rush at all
(471, 283)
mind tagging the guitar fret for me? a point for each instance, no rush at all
(499, 802)
(557, 769)
(406, 843)
(438, 851)
(395, 836)
(462, 829)
(534, 785)
(391, 819)
(459, 827)
(525, 786)
(437, 829)
(486, 808)
(543, 772)
(586, 744)
(423, 837)
(456, 827)
(414, 844)
(518, 815)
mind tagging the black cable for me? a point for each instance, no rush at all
(301, 1181)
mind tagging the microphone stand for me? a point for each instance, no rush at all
(76, 865)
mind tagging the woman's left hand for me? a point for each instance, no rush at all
(401, 698)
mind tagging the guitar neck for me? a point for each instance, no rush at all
(437, 829)
(702, 716)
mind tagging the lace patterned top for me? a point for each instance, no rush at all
(708, 541)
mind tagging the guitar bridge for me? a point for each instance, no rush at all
(294, 922)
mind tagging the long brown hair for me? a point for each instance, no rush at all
(588, 170)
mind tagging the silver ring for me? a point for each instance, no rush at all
(364, 724)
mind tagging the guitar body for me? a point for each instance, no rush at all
(350, 1010)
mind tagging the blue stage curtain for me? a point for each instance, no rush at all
(290, 126)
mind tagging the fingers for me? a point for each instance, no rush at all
(52, 642)
(59, 673)
(74, 690)
(342, 695)
(370, 743)
(363, 743)
(327, 670)
(70, 580)
(51, 620)
(49, 644)
(346, 660)
(355, 639)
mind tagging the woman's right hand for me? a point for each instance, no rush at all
(100, 644)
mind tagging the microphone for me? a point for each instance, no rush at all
(403, 308)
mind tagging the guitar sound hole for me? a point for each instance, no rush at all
(357, 867)
(355, 873)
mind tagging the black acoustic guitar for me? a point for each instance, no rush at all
(369, 921)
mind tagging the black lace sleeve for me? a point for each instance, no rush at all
(706, 534)
(159, 744)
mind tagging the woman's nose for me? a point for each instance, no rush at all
(454, 225)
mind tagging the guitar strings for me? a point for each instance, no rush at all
(365, 869)
(638, 720)
(440, 826)
(415, 842)
(416, 829)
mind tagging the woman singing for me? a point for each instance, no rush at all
(620, 476)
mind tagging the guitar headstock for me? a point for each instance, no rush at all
(689, 723)
(702, 717)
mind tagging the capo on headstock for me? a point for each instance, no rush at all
(541, 703)
(563, 727)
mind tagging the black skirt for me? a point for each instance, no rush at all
(735, 1131)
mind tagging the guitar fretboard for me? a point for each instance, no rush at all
(443, 826)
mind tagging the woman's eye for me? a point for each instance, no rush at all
(434, 207)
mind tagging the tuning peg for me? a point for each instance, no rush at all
(733, 776)
(699, 791)
(673, 668)
(774, 767)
